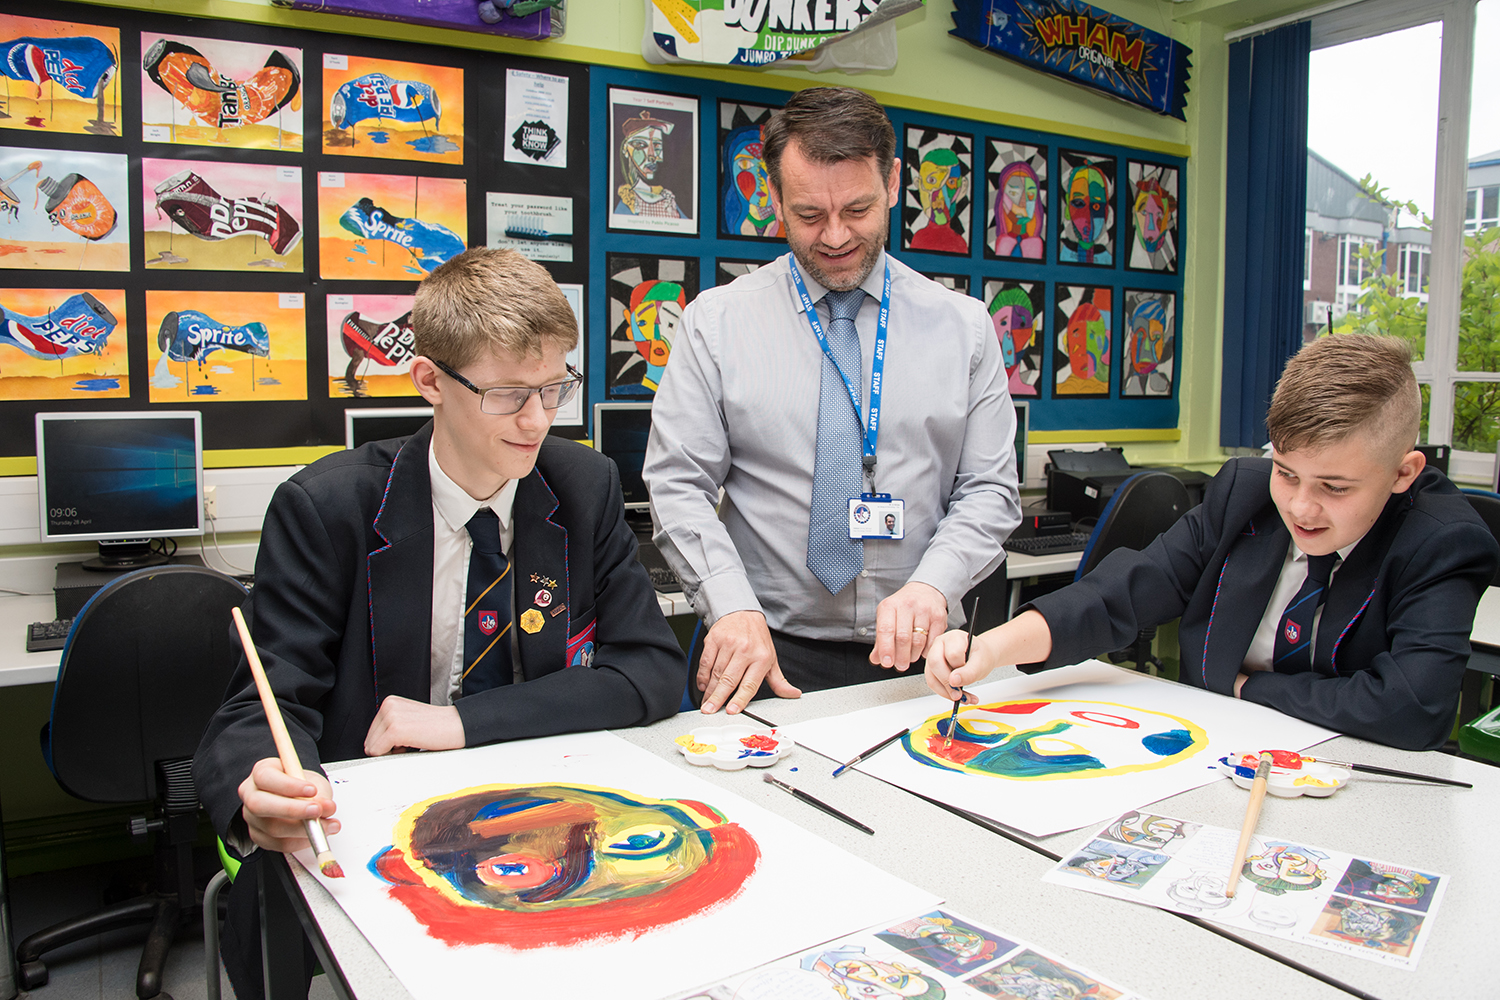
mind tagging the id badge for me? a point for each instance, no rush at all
(877, 515)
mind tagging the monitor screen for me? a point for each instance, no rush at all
(621, 431)
(106, 476)
(361, 426)
(1023, 425)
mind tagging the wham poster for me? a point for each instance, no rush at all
(209, 215)
(64, 210)
(556, 865)
(389, 227)
(213, 92)
(370, 346)
(63, 343)
(59, 76)
(226, 346)
(392, 110)
(1056, 750)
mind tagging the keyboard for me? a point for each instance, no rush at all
(662, 577)
(42, 636)
(1049, 545)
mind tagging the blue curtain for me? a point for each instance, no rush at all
(1265, 222)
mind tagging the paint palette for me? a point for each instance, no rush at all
(730, 748)
(1291, 773)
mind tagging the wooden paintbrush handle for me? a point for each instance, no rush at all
(1252, 816)
(290, 763)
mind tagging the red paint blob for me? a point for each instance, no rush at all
(1017, 708)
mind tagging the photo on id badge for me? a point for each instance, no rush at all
(876, 515)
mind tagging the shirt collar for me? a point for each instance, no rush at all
(456, 506)
(873, 285)
(1298, 556)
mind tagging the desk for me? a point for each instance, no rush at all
(1487, 620)
(996, 877)
(16, 665)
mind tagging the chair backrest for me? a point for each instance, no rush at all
(145, 667)
(1487, 506)
(1141, 508)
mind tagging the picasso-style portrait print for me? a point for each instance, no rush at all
(1086, 220)
(653, 168)
(745, 207)
(939, 173)
(1151, 223)
(1016, 222)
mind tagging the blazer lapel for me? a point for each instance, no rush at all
(1249, 575)
(400, 577)
(1354, 582)
(541, 568)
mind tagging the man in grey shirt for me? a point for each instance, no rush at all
(794, 575)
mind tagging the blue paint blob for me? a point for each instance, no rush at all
(96, 384)
(794, 769)
(205, 390)
(433, 144)
(380, 137)
(1167, 743)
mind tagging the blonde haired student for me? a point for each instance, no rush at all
(1335, 581)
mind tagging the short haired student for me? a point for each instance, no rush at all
(1335, 581)
(472, 583)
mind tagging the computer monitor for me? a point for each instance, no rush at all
(1023, 427)
(621, 431)
(378, 424)
(120, 479)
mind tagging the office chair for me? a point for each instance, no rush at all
(1481, 662)
(145, 666)
(1141, 508)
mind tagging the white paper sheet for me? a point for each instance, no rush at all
(1137, 739)
(803, 890)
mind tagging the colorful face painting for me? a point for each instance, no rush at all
(392, 110)
(946, 943)
(646, 298)
(1145, 830)
(1084, 322)
(1127, 866)
(370, 346)
(66, 76)
(1087, 222)
(1016, 175)
(1029, 976)
(744, 183)
(1016, 310)
(226, 346)
(62, 343)
(535, 866)
(1368, 925)
(64, 210)
(213, 216)
(389, 227)
(1279, 868)
(1151, 226)
(856, 975)
(935, 209)
(213, 92)
(1044, 740)
(1149, 353)
(1385, 883)
(654, 170)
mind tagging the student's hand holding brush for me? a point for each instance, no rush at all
(277, 806)
(952, 665)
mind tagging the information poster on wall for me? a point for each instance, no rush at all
(536, 118)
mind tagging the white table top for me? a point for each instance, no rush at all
(1487, 619)
(16, 665)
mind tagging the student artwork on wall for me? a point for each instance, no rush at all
(593, 862)
(370, 346)
(1017, 310)
(646, 298)
(391, 227)
(226, 346)
(1059, 749)
(726, 269)
(1086, 220)
(64, 210)
(1148, 357)
(392, 110)
(939, 170)
(1151, 223)
(63, 343)
(956, 282)
(533, 19)
(209, 215)
(653, 167)
(1016, 216)
(745, 207)
(215, 92)
(59, 76)
(1081, 354)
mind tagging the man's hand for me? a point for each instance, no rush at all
(276, 804)
(904, 623)
(403, 724)
(737, 656)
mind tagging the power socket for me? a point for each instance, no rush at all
(210, 502)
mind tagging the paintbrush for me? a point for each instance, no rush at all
(818, 803)
(327, 864)
(1390, 772)
(870, 752)
(1252, 816)
(968, 645)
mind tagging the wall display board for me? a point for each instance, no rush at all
(244, 212)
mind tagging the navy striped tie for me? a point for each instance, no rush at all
(832, 555)
(487, 661)
(1294, 633)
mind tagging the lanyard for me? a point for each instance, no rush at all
(877, 365)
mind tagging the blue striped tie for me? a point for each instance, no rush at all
(832, 555)
(487, 661)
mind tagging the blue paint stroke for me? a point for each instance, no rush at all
(380, 137)
(205, 390)
(96, 384)
(373, 865)
(1173, 741)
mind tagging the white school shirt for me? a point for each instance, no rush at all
(1293, 576)
(451, 545)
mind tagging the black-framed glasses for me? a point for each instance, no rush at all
(506, 399)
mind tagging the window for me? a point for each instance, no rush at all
(1307, 245)
(1413, 273)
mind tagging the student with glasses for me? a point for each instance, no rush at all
(472, 583)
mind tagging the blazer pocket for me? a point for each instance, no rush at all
(580, 651)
